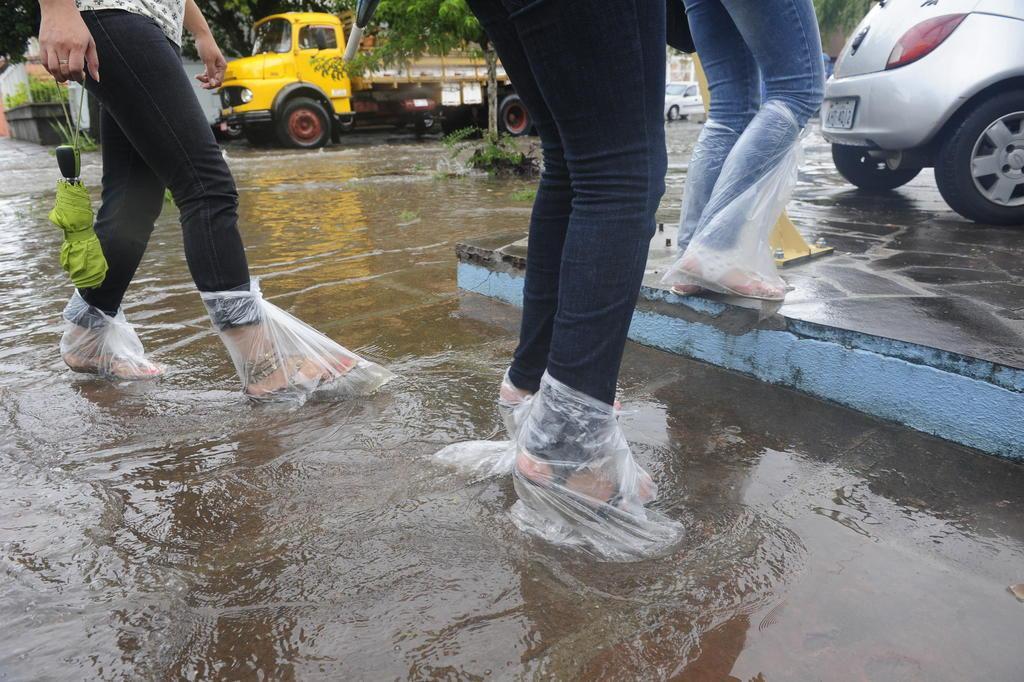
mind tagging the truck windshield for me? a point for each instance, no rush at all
(273, 36)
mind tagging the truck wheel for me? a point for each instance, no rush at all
(866, 172)
(513, 117)
(673, 113)
(980, 167)
(303, 123)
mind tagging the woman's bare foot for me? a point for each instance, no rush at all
(123, 369)
(734, 281)
(586, 482)
(298, 371)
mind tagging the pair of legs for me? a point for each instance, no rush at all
(592, 75)
(739, 43)
(154, 136)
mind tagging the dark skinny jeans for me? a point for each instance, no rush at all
(592, 75)
(155, 135)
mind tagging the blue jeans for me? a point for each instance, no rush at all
(592, 75)
(739, 43)
(154, 135)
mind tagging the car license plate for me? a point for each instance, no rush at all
(420, 103)
(839, 113)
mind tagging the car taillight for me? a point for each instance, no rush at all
(922, 39)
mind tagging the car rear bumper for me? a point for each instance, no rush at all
(904, 108)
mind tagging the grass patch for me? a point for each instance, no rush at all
(525, 194)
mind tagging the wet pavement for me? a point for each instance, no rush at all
(905, 266)
(169, 530)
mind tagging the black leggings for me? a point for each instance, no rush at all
(155, 135)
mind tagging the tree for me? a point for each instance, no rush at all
(840, 15)
(19, 21)
(406, 30)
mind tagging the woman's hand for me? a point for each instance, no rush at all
(65, 44)
(206, 46)
(214, 60)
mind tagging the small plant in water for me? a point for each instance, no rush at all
(495, 154)
(408, 216)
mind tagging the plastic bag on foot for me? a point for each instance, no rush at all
(578, 483)
(486, 458)
(730, 252)
(96, 343)
(279, 357)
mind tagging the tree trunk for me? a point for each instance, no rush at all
(492, 89)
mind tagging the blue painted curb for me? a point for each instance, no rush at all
(966, 400)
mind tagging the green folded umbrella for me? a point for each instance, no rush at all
(80, 255)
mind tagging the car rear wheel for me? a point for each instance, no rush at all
(980, 166)
(673, 113)
(868, 173)
(303, 123)
(513, 116)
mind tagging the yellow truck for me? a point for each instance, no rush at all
(277, 94)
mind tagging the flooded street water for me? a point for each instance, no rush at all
(173, 530)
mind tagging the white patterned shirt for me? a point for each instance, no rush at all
(168, 14)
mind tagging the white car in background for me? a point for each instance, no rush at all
(934, 83)
(682, 99)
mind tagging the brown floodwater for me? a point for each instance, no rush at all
(172, 530)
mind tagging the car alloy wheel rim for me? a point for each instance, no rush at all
(304, 125)
(997, 161)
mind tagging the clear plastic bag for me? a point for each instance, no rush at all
(578, 483)
(705, 165)
(729, 252)
(576, 478)
(487, 458)
(279, 357)
(96, 343)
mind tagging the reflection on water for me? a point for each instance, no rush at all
(172, 530)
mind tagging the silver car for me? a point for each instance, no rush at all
(940, 83)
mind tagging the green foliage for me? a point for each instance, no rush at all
(406, 30)
(37, 91)
(454, 138)
(19, 21)
(840, 15)
(495, 153)
(408, 216)
(525, 194)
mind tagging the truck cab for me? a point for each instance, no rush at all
(277, 92)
